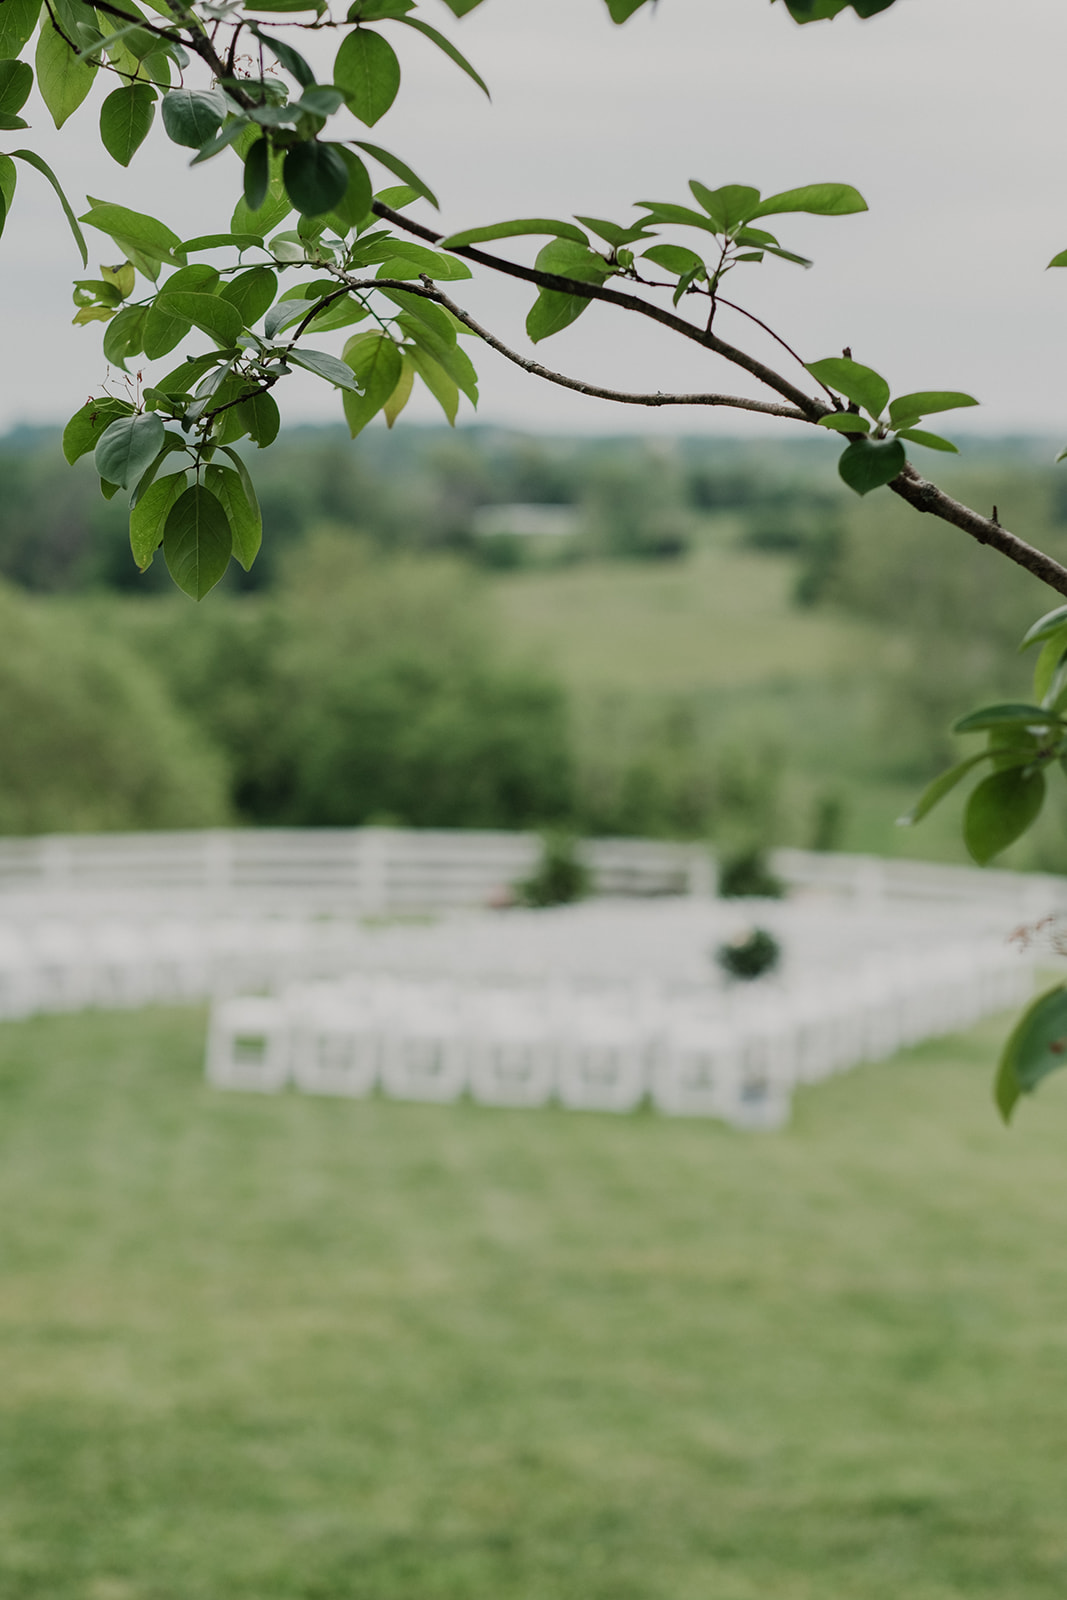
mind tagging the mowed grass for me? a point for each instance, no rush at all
(258, 1348)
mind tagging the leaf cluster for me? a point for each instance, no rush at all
(877, 425)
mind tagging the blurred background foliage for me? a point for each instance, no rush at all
(679, 638)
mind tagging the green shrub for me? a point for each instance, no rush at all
(745, 874)
(560, 877)
(750, 955)
(90, 740)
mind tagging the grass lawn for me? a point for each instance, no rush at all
(263, 1348)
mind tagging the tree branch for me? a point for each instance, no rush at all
(812, 409)
(911, 486)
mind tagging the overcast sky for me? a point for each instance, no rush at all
(947, 115)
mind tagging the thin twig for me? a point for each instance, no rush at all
(739, 402)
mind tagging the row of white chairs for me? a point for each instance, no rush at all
(690, 1051)
(68, 962)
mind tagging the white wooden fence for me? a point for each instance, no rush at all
(343, 870)
(367, 871)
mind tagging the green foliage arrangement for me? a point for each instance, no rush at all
(561, 876)
(750, 955)
(745, 873)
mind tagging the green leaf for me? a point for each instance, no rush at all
(153, 239)
(338, 314)
(124, 336)
(377, 365)
(910, 408)
(16, 81)
(819, 199)
(354, 205)
(436, 318)
(62, 78)
(449, 49)
(171, 441)
(459, 8)
(931, 441)
(866, 465)
(1000, 810)
(940, 787)
(612, 233)
(443, 388)
(163, 329)
(445, 352)
(1045, 627)
(619, 10)
(165, 326)
(189, 371)
(237, 497)
(259, 416)
(786, 255)
(1036, 1047)
(87, 426)
(857, 383)
(413, 260)
(402, 393)
(125, 118)
(368, 71)
(727, 207)
(193, 116)
(1058, 261)
(290, 59)
(379, 10)
(229, 134)
(845, 422)
(675, 257)
(555, 309)
(122, 279)
(400, 170)
(323, 365)
(8, 180)
(197, 542)
(214, 316)
(127, 446)
(512, 230)
(18, 18)
(40, 165)
(221, 241)
(257, 175)
(681, 216)
(252, 292)
(315, 176)
(1048, 661)
(1007, 712)
(149, 517)
(274, 209)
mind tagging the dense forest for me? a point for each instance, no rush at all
(481, 629)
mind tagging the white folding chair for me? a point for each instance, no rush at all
(248, 1044)
(337, 1038)
(512, 1051)
(603, 1055)
(426, 1052)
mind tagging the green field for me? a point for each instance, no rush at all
(720, 619)
(265, 1348)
